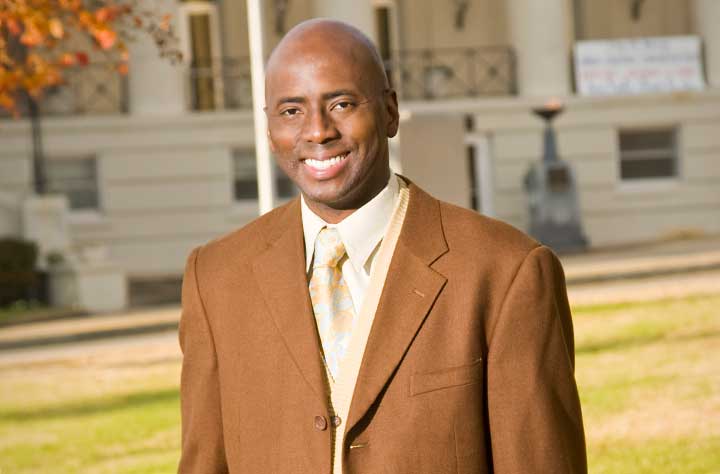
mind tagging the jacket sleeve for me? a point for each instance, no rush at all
(203, 449)
(533, 406)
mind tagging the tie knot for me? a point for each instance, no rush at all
(329, 248)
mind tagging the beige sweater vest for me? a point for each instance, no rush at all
(342, 389)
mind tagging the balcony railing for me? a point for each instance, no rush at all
(427, 74)
(453, 72)
(419, 75)
(95, 89)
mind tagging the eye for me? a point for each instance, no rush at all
(289, 112)
(343, 105)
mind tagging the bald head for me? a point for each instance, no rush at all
(321, 39)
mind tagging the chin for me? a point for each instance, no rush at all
(326, 199)
(323, 190)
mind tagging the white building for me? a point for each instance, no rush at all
(163, 161)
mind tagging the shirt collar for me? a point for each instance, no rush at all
(361, 231)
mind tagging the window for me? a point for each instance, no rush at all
(648, 154)
(76, 178)
(245, 180)
(199, 34)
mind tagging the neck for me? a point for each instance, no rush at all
(328, 214)
(335, 214)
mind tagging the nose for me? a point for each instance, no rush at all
(318, 126)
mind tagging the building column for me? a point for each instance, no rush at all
(155, 86)
(358, 13)
(707, 19)
(541, 33)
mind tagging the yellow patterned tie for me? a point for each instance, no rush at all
(331, 300)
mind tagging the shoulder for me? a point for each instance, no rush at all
(475, 244)
(486, 256)
(242, 244)
(469, 231)
(478, 247)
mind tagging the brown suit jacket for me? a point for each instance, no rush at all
(469, 366)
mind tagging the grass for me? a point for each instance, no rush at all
(649, 385)
(647, 373)
(106, 412)
(31, 311)
(19, 309)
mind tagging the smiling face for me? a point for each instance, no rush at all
(330, 114)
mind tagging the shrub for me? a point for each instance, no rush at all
(18, 279)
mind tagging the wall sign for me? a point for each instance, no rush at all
(638, 66)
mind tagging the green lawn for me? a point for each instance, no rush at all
(647, 372)
(112, 411)
(650, 385)
(23, 311)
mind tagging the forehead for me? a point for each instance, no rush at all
(314, 70)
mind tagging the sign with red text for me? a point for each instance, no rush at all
(638, 66)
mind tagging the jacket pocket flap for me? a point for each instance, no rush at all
(445, 378)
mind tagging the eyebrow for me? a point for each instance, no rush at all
(325, 96)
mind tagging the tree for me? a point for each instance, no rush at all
(39, 39)
(35, 37)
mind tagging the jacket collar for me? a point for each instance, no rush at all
(411, 287)
(280, 273)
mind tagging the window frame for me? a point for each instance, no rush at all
(81, 213)
(649, 183)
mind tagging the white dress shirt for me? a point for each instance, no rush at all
(361, 233)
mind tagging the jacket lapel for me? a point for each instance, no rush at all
(280, 273)
(411, 288)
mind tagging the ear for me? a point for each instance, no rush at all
(269, 135)
(270, 141)
(393, 116)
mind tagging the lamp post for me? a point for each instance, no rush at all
(552, 193)
(548, 112)
(265, 171)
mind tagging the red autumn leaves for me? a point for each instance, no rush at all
(40, 38)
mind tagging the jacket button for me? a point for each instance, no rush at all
(335, 421)
(320, 423)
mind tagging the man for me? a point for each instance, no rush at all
(367, 327)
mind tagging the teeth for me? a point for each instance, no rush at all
(324, 164)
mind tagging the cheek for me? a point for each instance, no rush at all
(286, 163)
(369, 146)
(282, 142)
(362, 135)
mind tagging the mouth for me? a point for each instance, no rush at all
(325, 168)
(325, 164)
